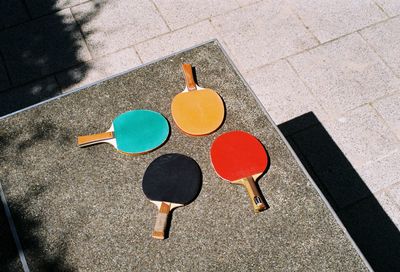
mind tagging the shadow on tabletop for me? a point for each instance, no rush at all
(30, 52)
(367, 223)
(34, 51)
(38, 258)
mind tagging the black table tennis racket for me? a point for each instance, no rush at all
(171, 181)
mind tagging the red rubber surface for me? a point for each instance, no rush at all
(238, 154)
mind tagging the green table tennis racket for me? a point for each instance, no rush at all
(132, 132)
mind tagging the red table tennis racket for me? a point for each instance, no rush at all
(171, 181)
(240, 158)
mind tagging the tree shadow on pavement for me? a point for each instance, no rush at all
(34, 51)
(33, 48)
(367, 223)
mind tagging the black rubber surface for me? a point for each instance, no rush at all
(172, 178)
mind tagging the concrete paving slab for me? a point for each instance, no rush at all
(391, 7)
(362, 136)
(22, 97)
(180, 13)
(394, 193)
(12, 12)
(176, 41)
(4, 82)
(344, 74)
(387, 201)
(282, 93)
(44, 7)
(388, 108)
(98, 69)
(331, 19)
(262, 33)
(89, 209)
(384, 38)
(247, 2)
(382, 172)
(114, 25)
(42, 47)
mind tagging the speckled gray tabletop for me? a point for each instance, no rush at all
(83, 208)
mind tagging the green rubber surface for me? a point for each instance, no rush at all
(140, 131)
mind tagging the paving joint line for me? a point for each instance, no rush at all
(220, 14)
(154, 38)
(381, 8)
(137, 53)
(304, 24)
(379, 56)
(249, 4)
(322, 44)
(32, 19)
(311, 47)
(383, 120)
(43, 77)
(310, 90)
(171, 32)
(390, 197)
(223, 43)
(58, 83)
(385, 190)
(219, 37)
(81, 32)
(27, 9)
(395, 92)
(161, 15)
(195, 22)
(349, 111)
(380, 158)
(8, 74)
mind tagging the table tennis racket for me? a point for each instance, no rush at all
(197, 111)
(240, 158)
(132, 132)
(171, 181)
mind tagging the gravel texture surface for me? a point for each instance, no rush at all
(84, 209)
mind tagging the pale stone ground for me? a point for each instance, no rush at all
(339, 59)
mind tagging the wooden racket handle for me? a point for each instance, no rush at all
(94, 138)
(188, 71)
(161, 221)
(254, 194)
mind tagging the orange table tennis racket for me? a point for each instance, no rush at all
(240, 158)
(197, 111)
